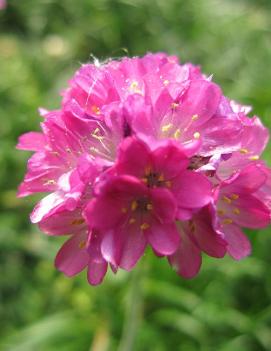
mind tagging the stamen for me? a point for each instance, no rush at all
(134, 205)
(254, 158)
(220, 212)
(174, 105)
(196, 135)
(96, 110)
(132, 220)
(124, 210)
(166, 127)
(234, 196)
(227, 221)
(168, 183)
(236, 211)
(195, 117)
(149, 207)
(161, 178)
(78, 221)
(226, 199)
(82, 244)
(50, 182)
(166, 82)
(177, 134)
(144, 226)
(243, 151)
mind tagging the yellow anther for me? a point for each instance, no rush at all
(177, 134)
(98, 137)
(93, 149)
(147, 170)
(236, 211)
(134, 88)
(226, 199)
(166, 82)
(195, 117)
(234, 196)
(243, 151)
(50, 182)
(220, 212)
(196, 135)
(55, 153)
(227, 221)
(174, 105)
(134, 84)
(96, 109)
(144, 180)
(82, 244)
(149, 207)
(166, 127)
(134, 205)
(254, 158)
(132, 220)
(168, 183)
(144, 226)
(192, 227)
(78, 221)
(161, 178)
(124, 210)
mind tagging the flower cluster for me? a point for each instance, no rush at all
(147, 152)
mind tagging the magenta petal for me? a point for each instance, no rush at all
(124, 246)
(164, 205)
(170, 160)
(111, 206)
(202, 99)
(96, 272)
(238, 244)
(134, 157)
(163, 238)
(252, 213)
(187, 259)
(192, 190)
(71, 258)
(32, 141)
(206, 238)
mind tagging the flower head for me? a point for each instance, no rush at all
(147, 152)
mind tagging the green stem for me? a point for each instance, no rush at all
(133, 311)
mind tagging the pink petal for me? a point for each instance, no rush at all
(109, 209)
(134, 157)
(32, 141)
(192, 190)
(187, 259)
(96, 272)
(164, 205)
(253, 213)
(202, 99)
(71, 259)
(63, 223)
(163, 238)
(206, 238)
(124, 246)
(238, 244)
(169, 160)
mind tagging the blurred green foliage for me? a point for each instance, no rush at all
(228, 306)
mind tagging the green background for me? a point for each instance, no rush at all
(42, 42)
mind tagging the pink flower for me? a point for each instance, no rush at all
(3, 4)
(130, 215)
(146, 151)
(197, 235)
(238, 206)
(165, 167)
